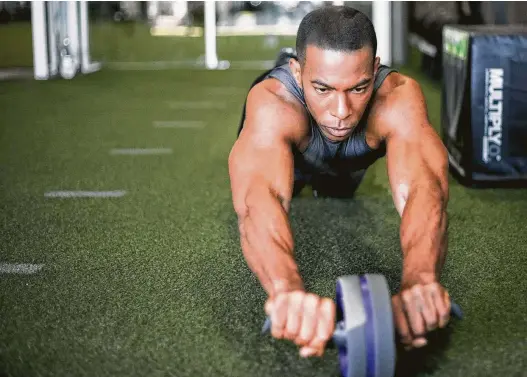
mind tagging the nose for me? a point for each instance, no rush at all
(342, 107)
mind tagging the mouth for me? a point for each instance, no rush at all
(338, 132)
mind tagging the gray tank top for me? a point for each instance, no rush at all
(323, 156)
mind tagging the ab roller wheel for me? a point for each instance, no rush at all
(364, 333)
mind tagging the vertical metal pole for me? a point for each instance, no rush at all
(152, 10)
(73, 30)
(211, 57)
(84, 36)
(40, 46)
(382, 21)
(52, 27)
(399, 32)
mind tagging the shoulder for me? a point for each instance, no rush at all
(271, 108)
(399, 106)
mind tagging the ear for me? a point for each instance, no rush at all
(294, 66)
(376, 64)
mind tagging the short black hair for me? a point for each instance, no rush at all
(339, 28)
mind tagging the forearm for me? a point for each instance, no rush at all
(423, 233)
(267, 243)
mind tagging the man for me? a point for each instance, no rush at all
(322, 119)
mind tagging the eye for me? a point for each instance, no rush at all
(321, 90)
(359, 90)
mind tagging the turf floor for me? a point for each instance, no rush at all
(154, 283)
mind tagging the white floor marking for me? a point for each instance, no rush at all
(84, 194)
(20, 268)
(179, 124)
(140, 151)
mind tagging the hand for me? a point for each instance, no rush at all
(304, 318)
(420, 308)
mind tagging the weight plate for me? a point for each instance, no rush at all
(380, 332)
(350, 310)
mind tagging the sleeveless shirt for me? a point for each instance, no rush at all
(323, 156)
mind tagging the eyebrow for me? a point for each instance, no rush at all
(360, 83)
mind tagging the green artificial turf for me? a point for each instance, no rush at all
(154, 283)
(16, 45)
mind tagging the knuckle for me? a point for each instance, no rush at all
(311, 300)
(406, 296)
(296, 296)
(280, 311)
(278, 322)
(429, 311)
(305, 339)
(280, 297)
(404, 334)
(302, 340)
(432, 324)
(289, 335)
(306, 334)
(293, 320)
(443, 312)
(291, 330)
(279, 303)
(328, 312)
(318, 343)
(398, 307)
(417, 326)
(417, 321)
(324, 329)
(328, 306)
(310, 310)
(323, 337)
(407, 340)
(402, 323)
(308, 321)
(431, 321)
(417, 289)
(309, 352)
(276, 333)
(433, 287)
(293, 311)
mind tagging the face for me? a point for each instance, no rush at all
(337, 87)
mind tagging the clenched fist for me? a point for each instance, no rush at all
(420, 308)
(303, 318)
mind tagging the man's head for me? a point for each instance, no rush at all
(336, 47)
